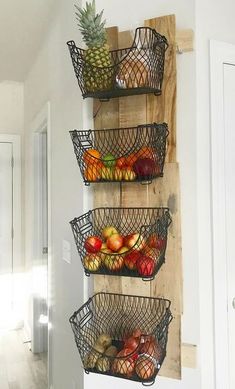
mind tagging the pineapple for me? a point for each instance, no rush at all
(97, 73)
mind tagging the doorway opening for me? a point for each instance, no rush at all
(12, 293)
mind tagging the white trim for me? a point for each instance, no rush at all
(17, 228)
(40, 122)
(220, 53)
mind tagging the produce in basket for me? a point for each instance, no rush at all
(92, 262)
(97, 60)
(145, 367)
(104, 363)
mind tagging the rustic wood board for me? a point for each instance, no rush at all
(163, 108)
(132, 111)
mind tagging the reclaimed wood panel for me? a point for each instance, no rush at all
(163, 108)
(131, 111)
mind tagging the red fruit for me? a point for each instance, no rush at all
(144, 168)
(136, 240)
(131, 343)
(157, 242)
(113, 262)
(121, 162)
(115, 242)
(93, 244)
(145, 266)
(131, 259)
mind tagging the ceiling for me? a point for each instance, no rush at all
(23, 24)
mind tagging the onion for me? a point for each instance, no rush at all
(144, 168)
(144, 368)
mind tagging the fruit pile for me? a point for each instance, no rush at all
(136, 357)
(115, 252)
(140, 165)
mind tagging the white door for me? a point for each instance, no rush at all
(40, 261)
(6, 198)
(6, 229)
(229, 133)
(223, 209)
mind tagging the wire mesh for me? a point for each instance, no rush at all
(133, 154)
(134, 70)
(122, 335)
(122, 241)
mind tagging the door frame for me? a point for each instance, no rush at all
(15, 140)
(220, 53)
(42, 120)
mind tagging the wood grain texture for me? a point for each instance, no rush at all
(131, 111)
(184, 40)
(163, 108)
(172, 365)
(189, 355)
(168, 283)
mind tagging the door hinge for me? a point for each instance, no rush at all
(12, 162)
(45, 250)
(12, 233)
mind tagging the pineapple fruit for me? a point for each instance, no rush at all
(97, 70)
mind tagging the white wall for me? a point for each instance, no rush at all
(214, 20)
(11, 107)
(52, 79)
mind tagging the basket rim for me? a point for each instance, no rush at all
(75, 219)
(162, 39)
(86, 132)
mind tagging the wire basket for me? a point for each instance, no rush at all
(121, 155)
(122, 241)
(122, 336)
(134, 70)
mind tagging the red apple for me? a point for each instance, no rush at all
(93, 244)
(145, 266)
(108, 231)
(136, 240)
(115, 242)
(152, 252)
(92, 262)
(157, 242)
(114, 262)
(131, 259)
(131, 343)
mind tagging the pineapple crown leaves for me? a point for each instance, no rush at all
(91, 25)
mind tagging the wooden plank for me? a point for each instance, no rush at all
(107, 195)
(163, 108)
(184, 40)
(189, 355)
(132, 112)
(168, 282)
(172, 363)
(166, 192)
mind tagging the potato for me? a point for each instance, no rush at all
(92, 357)
(111, 351)
(103, 364)
(104, 339)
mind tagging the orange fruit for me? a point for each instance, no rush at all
(91, 156)
(121, 162)
(92, 172)
(145, 152)
(130, 160)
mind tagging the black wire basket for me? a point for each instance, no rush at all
(122, 336)
(122, 241)
(122, 154)
(134, 70)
